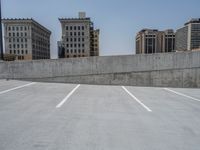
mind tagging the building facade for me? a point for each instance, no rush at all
(26, 39)
(153, 41)
(79, 39)
(188, 37)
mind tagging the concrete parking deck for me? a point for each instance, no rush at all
(49, 116)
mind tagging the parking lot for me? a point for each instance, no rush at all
(52, 116)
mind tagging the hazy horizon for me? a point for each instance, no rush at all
(118, 21)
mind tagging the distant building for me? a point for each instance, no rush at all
(153, 41)
(188, 37)
(27, 39)
(79, 39)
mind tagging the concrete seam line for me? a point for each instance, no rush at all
(137, 100)
(16, 88)
(67, 97)
(181, 94)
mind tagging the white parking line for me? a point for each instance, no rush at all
(67, 97)
(181, 94)
(19, 87)
(143, 105)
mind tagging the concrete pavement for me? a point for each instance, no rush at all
(97, 117)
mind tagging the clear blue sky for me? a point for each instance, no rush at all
(118, 20)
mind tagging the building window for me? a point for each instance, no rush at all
(10, 51)
(26, 51)
(74, 27)
(79, 28)
(13, 34)
(70, 27)
(21, 28)
(9, 34)
(83, 28)
(83, 39)
(22, 51)
(83, 33)
(17, 51)
(9, 28)
(13, 28)
(66, 27)
(83, 51)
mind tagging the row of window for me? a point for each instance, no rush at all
(75, 28)
(17, 40)
(18, 46)
(17, 34)
(17, 28)
(75, 39)
(75, 51)
(75, 33)
(18, 51)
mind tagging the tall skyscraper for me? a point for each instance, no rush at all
(27, 39)
(153, 41)
(188, 37)
(79, 38)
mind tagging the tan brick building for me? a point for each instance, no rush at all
(27, 39)
(79, 39)
(153, 41)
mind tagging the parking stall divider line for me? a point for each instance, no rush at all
(16, 88)
(68, 96)
(137, 100)
(181, 94)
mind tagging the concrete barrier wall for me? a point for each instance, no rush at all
(166, 70)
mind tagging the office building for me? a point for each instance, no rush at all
(26, 39)
(79, 38)
(188, 37)
(153, 41)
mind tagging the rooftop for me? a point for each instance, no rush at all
(28, 20)
(193, 20)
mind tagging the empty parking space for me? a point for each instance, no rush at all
(76, 117)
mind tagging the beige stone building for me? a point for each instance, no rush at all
(153, 41)
(27, 39)
(79, 39)
(188, 37)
